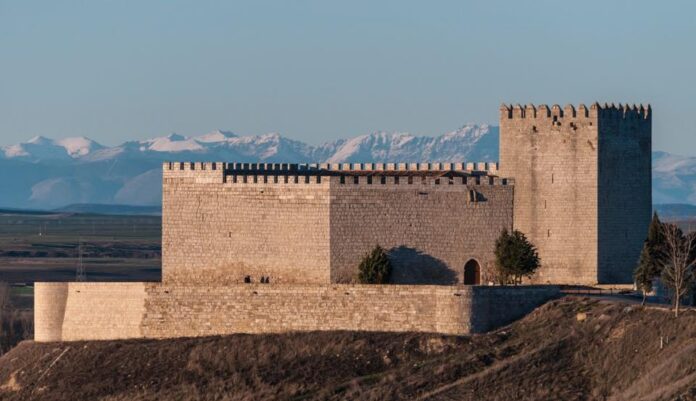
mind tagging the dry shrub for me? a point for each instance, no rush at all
(15, 324)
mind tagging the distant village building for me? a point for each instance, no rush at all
(268, 247)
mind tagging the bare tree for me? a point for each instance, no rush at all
(679, 261)
(27, 322)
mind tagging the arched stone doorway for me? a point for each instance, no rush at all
(472, 273)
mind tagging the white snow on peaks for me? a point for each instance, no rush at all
(471, 142)
(130, 172)
(42, 148)
(14, 151)
(78, 146)
(40, 140)
(171, 143)
(215, 136)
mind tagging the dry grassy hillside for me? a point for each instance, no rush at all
(570, 349)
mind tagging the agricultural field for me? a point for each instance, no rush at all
(46, 246)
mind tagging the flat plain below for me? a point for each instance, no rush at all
(46, 246)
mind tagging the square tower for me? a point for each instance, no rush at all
(582, 187)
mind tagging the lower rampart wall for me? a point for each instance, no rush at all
(88, 311)
(101, 311)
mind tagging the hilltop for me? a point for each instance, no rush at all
(570, 349)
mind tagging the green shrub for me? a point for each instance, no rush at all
(375, 267)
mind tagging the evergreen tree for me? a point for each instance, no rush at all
(644, 273)
(651, 257)
(515, 257)
(375, 267)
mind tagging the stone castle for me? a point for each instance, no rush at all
(262, 247)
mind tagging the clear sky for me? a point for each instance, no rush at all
(319, 70)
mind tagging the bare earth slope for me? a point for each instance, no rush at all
(614, 353)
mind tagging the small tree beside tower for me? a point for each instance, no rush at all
(515, 258)
(669, 254)
(651, 258)
(679, 261)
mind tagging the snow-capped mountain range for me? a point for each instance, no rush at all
(44, 173)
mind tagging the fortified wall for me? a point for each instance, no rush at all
(106, 311)
(287, 223)
(582, 187)
(256, 248)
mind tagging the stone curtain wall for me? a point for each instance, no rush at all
(222, 232)
(430, 228)
(220, 227)
(625, 195)
(88, 311)
(493, 307)
(198, 311)
(581, 187)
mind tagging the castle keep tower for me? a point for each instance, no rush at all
(281, 223)
(582, 187)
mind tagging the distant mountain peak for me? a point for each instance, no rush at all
(216, 136)
(39, 140)
(78, 146)
(176, 137)
(46, 173)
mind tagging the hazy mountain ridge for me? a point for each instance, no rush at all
(44, 173)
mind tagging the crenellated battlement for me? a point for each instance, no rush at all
(367, 180)
(364, 168)
(596, 111)
(338, 173)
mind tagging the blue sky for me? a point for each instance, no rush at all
(318, 70)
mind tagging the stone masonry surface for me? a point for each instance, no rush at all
(313, 226)
(582, 187)
(101, 311)
(270, 247)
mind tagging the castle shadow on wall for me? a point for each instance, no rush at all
(412, 266)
